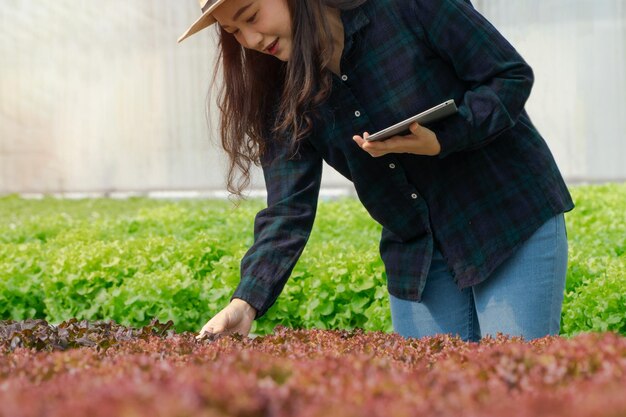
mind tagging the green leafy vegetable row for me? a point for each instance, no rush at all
(131, 260)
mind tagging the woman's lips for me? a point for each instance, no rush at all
(273, 47)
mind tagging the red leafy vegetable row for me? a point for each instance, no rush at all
(313, 373)
(39, 335)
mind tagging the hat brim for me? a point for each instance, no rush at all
(204, 21)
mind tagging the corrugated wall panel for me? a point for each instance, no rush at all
(99, 97)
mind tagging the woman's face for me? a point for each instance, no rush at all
(262, 25)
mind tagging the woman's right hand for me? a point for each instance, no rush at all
(236, 317)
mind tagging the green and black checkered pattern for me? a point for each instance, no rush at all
(493, 184)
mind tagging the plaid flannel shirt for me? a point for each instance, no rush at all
(493, 184)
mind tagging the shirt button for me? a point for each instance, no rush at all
(414, 196)
(357, 113)
(344, 77)
(392, 166)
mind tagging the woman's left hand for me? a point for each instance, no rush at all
(421, 141)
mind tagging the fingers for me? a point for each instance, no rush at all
(216, 326)
(415, 128)
(359, 140)
(230, 320)
(428, 141)
(421, 141)
(209, 333)
(208, 328)
(211, 337)
(375, 149)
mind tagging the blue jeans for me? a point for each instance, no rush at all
(523, 296)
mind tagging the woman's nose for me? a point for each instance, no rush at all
(253, 39)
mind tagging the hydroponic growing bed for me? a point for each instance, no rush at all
(102, 369)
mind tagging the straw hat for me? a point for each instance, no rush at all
(207, 19)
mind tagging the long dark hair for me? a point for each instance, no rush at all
(261, 96)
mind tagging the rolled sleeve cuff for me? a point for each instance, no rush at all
(452, 134)
(252, 291)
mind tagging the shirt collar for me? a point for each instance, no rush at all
(354, 20)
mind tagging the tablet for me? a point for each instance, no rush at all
(440, 111)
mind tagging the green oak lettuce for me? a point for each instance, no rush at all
(137, 259)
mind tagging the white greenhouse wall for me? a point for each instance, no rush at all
(99, 97)
(577, 49)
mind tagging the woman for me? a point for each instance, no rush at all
(473, 236)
